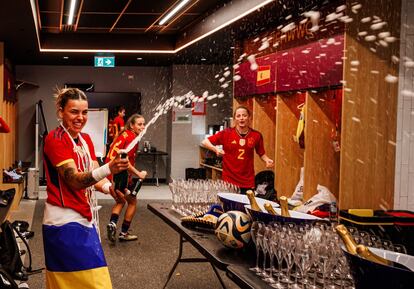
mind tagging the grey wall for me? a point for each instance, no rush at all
(155, 84)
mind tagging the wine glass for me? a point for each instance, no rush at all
(400, 248)
(277, 241)
(254, 231)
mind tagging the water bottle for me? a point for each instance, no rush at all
(333, 212)
(121, 179)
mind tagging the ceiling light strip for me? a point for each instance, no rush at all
(173, 12)
(62, 4)
(224, 25)
(178, 15)
(38, 14)
(106, 51)
(71, 12)
(34, 13)
(144, 51)
(79, 13)
(120, 15)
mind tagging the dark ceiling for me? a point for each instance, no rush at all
(133, 25)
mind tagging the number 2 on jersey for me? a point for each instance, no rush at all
(241, 153)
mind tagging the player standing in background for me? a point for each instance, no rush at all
(239, 143)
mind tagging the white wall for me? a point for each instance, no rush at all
(404, 168)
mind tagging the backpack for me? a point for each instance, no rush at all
(6, 281)
(10, 258)
(264, 182)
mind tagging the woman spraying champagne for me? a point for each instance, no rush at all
(134, 126)
(73, 252)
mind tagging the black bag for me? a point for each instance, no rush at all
(6, 197)
(10, 258)
(21, 226)
(265, 188)
(6, 281)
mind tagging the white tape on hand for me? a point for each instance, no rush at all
(101, 172)
(105, 187)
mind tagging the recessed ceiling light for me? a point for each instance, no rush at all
(65, 57)
(173, 12)
(203, 59)
(139, 58)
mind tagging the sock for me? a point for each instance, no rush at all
(114, 218)
(125, 227)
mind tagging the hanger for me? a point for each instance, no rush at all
(300, 105)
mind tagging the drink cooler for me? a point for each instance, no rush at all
(394, 225)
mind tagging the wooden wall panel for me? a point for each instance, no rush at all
(247, 102)
(369, 113)
(2, 135)
(321, 161)
(289, 156)
(264, 118)
(8, 113)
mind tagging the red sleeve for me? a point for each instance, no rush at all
(259, 145)
(57, 149)
(119, 121)
(88, 140)
(3, 126)
(117, 144)
(217, 139)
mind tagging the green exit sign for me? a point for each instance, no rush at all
(104, 61)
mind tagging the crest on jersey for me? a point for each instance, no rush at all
(242, 142)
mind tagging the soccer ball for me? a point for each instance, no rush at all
(233, 229)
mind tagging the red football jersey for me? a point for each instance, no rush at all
(121, 142)
(238, 158)
(58, 150)
(119, 124)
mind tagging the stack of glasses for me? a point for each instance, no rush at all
(191, 197)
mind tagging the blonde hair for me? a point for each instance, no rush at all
(241, 107)
(65, 94)
(131, 121)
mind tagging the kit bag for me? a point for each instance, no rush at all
(6, 281)
(10, 259)
(6, 197)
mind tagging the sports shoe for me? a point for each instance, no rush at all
(111, 232)
(127, 237)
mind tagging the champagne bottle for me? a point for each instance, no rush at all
(347, 238)
(360, 250)
(253, 204)
(270, 209)
(121, 179)
(366, 253)
(138, 186)
(284, 206)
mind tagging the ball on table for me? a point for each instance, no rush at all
(233, 229)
